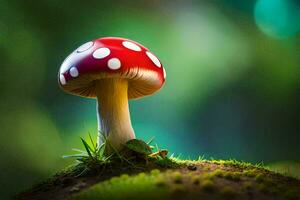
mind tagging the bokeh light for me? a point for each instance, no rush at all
(278, 18)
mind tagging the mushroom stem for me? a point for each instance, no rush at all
(113, 112)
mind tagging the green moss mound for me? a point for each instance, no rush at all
(137, 173)
(143, 185)
(197, 180)
(168, 178)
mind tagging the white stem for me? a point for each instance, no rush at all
(100, 137)
(113, 112)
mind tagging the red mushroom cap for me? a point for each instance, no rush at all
(111, 57)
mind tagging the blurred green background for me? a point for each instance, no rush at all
(232, 88)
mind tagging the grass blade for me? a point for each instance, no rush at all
(79, 150)
(94, 146)
(157, 148)
(74, 156)
(151, 140)
(87, 147)
(101, 151)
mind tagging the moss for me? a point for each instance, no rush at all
(196, 179)
(166, 162)
(155, 172)
(259, 177)
(228, 192)
(177, 177)
(178, 189)
(262, 187)
(132, 187)
(142, 174)
(208, 176)
(160, 181)
(206, 168)
(218, 172)
(247, 185)
(114, 180)
(190, 174)
(231, 176)
(233, 163)
(287, 168)
(234, 176)
(124, 176)
(249, 173)
(269, 182)
(207, 185)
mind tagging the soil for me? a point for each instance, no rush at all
(229, 182)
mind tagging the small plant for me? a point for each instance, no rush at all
(134, 152)
(92, 154)
(92, 157)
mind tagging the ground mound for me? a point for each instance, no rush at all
(167, 178)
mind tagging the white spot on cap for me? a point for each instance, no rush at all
(153, 58)
(131, 46)
(84, 47)
(165, 74)
(114, 63)
(74, 72)
(66, 64)
(62, 79)
(101, 53)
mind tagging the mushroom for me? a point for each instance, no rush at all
(112, 70)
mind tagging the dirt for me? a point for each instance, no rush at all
(65, 184)
(279, 187)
